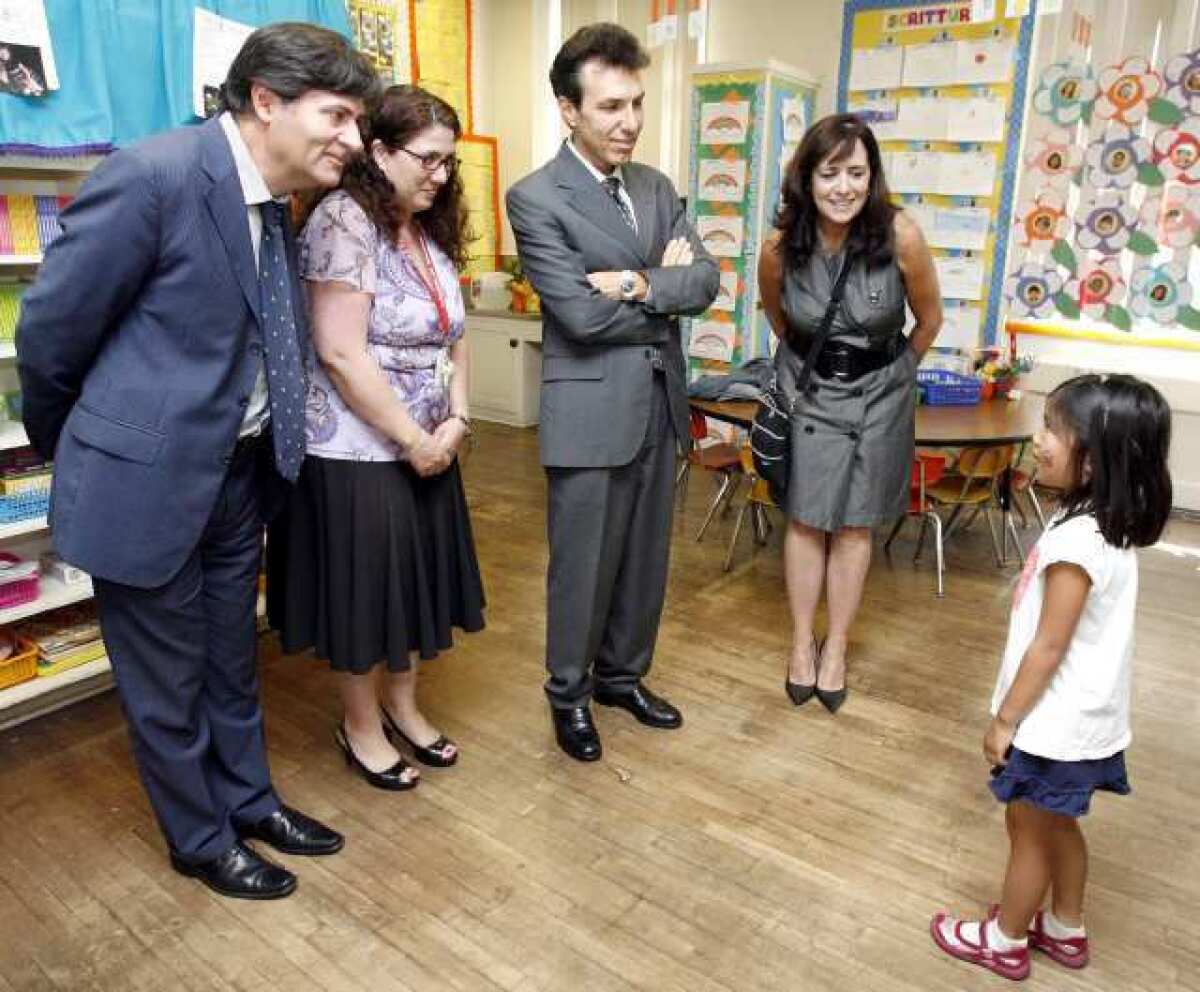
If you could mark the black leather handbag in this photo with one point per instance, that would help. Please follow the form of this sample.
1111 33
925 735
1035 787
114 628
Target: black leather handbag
771 432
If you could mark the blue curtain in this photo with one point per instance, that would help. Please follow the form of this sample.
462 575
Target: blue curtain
125 69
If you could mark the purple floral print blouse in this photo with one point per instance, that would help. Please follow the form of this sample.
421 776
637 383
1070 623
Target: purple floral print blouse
340 243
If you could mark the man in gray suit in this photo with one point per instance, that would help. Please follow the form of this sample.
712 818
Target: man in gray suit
605 243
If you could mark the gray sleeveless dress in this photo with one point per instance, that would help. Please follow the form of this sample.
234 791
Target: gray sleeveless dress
852 443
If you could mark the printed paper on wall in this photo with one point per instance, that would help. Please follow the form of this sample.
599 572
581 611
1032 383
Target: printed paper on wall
712 339
722 180
724 123
722 236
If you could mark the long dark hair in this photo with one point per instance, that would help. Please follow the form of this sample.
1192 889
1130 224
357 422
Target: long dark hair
1120 431
871 230
400 115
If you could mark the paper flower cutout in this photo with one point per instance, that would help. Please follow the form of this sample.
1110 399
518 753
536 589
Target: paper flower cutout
1042 220
1104 221
1173 217
1177 152
1159 291
1114 159
1098 285
1126 91
1182 77
1030 290
1065 91
1055 158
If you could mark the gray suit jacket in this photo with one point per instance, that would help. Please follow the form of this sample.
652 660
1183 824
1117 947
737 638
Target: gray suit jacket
597 375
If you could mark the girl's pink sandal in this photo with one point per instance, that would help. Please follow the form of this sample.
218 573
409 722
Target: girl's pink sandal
1008 964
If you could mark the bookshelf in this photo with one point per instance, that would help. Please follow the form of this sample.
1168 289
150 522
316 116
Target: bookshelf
35 185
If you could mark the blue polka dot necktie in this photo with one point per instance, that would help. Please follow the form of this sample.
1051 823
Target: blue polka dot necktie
286 387
613 185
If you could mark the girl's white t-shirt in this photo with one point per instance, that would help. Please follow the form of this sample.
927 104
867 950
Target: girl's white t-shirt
1084 712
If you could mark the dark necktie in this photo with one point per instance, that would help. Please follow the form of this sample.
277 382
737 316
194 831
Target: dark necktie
613 185
285 369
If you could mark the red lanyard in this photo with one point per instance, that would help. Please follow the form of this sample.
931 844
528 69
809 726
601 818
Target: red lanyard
434 286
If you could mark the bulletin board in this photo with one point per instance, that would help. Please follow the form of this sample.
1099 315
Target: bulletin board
383 30
479 170
945 93
1108 231
745 123
442 45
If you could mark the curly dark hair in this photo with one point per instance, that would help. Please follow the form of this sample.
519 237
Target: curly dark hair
610 43
871 233
400 115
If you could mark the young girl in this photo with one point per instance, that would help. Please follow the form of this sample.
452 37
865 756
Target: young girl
1060 711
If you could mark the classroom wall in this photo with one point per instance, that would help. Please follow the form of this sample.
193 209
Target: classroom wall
511 81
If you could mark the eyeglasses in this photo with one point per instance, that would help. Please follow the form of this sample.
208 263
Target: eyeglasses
432 161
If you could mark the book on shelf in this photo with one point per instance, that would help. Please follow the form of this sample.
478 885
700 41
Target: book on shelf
65 638
6 236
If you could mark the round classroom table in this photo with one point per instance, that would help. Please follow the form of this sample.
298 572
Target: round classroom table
983 425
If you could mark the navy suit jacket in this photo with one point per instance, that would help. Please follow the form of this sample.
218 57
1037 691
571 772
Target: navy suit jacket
138 349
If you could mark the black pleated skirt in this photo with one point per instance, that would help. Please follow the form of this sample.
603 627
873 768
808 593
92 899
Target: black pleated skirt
369 562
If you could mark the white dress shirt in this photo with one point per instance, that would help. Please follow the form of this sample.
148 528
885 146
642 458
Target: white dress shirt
622 192
254 192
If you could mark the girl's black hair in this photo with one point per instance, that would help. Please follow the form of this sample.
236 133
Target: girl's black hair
1120 430
870 234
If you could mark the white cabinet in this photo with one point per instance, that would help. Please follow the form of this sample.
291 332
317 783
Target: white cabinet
506 367
28 538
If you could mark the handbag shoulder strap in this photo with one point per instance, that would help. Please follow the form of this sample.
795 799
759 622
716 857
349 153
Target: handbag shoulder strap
818 341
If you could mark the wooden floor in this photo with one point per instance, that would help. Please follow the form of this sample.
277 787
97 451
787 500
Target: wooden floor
759 848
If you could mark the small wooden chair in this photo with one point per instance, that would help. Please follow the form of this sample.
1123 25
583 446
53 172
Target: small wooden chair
722 458
975 485
757 501
927 470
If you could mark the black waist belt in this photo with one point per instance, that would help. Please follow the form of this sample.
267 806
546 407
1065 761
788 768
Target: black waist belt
846 363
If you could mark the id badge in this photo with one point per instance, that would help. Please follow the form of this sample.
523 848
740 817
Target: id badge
443 371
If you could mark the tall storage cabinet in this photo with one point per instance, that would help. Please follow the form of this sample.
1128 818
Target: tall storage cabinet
22 177
746 121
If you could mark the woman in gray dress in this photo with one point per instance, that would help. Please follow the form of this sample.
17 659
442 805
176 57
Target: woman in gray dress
852 430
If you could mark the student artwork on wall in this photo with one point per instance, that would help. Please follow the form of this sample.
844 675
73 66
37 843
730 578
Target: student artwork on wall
746 122
725 123
946 104
723 180
1110 224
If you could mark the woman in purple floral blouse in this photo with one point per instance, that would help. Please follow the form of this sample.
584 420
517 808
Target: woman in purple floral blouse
373 561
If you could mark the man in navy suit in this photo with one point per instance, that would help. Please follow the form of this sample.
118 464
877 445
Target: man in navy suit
161 354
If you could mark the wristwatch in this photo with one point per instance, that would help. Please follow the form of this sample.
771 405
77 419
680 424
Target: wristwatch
628 284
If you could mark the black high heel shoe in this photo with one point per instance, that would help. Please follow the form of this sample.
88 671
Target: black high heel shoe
798 692
435 755
831 699
391 779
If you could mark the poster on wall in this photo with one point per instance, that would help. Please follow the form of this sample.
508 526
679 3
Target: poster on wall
723 180
712 339
26 56
947 130
722 236
727 292
724 123
216 41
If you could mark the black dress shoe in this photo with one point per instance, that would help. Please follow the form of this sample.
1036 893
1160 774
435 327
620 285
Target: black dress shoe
240 874
576 734
652 710
291 832
392 779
